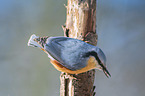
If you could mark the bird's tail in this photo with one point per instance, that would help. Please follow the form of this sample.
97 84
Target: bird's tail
37 41
32 41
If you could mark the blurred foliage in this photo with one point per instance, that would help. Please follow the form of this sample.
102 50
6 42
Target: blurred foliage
26 71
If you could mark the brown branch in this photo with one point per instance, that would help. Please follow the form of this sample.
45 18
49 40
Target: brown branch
80 24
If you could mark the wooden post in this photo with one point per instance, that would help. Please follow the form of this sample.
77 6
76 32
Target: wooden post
80 24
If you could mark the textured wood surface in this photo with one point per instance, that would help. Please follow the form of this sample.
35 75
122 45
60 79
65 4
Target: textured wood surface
80 24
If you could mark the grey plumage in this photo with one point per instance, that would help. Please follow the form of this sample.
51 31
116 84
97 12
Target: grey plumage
69 52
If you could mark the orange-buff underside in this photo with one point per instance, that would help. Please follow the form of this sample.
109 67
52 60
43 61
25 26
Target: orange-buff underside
91 64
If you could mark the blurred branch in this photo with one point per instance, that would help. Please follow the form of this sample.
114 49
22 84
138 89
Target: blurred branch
80 24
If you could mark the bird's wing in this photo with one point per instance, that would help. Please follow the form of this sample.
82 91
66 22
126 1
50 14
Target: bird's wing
67 51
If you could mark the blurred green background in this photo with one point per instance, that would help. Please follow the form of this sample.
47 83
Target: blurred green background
26 71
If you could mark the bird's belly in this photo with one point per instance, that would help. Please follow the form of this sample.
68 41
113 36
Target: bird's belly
91 65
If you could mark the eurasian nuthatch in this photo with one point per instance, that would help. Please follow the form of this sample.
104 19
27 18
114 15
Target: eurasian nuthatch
71 55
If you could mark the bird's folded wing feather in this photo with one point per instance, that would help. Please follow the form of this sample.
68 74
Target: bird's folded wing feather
66 51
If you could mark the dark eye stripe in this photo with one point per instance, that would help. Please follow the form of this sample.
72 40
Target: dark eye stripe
93 53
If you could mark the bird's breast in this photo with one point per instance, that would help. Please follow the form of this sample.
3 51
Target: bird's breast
91 64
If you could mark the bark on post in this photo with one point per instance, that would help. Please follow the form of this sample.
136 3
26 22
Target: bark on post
80 24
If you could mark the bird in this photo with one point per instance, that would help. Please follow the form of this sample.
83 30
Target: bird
71 55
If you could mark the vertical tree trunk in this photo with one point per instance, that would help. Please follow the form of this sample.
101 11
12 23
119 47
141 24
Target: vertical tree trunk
80 24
